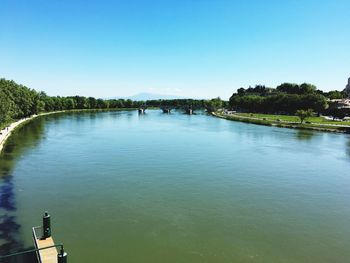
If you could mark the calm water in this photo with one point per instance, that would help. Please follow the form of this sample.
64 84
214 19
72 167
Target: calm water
176 188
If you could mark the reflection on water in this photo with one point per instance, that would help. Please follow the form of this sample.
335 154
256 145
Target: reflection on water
348 148
7 195
22 139
304 135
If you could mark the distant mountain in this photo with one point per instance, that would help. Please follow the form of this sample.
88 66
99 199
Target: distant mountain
151 96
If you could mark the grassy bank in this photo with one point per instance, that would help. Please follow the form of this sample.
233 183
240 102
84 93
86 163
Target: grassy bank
4 125
11 127
284 121
294 119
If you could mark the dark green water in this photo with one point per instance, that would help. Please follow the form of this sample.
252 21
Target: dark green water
176 188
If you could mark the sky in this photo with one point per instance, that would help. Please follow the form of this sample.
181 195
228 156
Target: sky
191 48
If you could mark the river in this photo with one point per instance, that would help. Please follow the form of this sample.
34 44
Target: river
124 187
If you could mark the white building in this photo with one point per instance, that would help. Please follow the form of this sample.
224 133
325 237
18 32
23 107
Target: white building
342 103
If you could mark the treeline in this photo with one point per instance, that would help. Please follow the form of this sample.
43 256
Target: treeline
209 105
18 101
176 103
286 98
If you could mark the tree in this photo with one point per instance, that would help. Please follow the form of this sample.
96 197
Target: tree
304 114
101 104
92 103
287 98
81 102
49 103
335 94
307 88
336 113
241 91
5 108
40 106
70 103
128 103
290 88
213 104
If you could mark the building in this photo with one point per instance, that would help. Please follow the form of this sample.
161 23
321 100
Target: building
341 103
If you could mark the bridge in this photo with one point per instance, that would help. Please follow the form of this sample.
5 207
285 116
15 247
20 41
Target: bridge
188 109
142 109
167 109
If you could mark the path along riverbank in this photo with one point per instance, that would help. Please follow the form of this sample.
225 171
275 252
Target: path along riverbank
284 124
6 132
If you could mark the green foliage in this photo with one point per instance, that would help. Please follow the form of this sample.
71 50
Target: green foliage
292 88
18 101
335 94
213 104
290 118
287 98
196 104
337 112
318 123
304 114
6 107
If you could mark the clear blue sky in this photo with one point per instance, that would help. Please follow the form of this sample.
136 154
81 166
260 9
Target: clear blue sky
196 48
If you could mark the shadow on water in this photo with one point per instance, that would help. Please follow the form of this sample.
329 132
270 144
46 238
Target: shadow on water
22 140
348 148
304 135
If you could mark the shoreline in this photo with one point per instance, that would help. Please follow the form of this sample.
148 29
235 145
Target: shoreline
304 126
7 131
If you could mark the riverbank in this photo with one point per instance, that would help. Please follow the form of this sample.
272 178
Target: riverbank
284 124
7 131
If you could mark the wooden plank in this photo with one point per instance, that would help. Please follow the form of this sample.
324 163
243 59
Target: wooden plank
47 255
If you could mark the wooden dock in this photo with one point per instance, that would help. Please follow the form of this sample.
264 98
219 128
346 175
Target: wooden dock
48 255
45 248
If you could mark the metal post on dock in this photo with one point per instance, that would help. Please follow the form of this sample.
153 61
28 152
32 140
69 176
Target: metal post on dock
62 256
46 225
